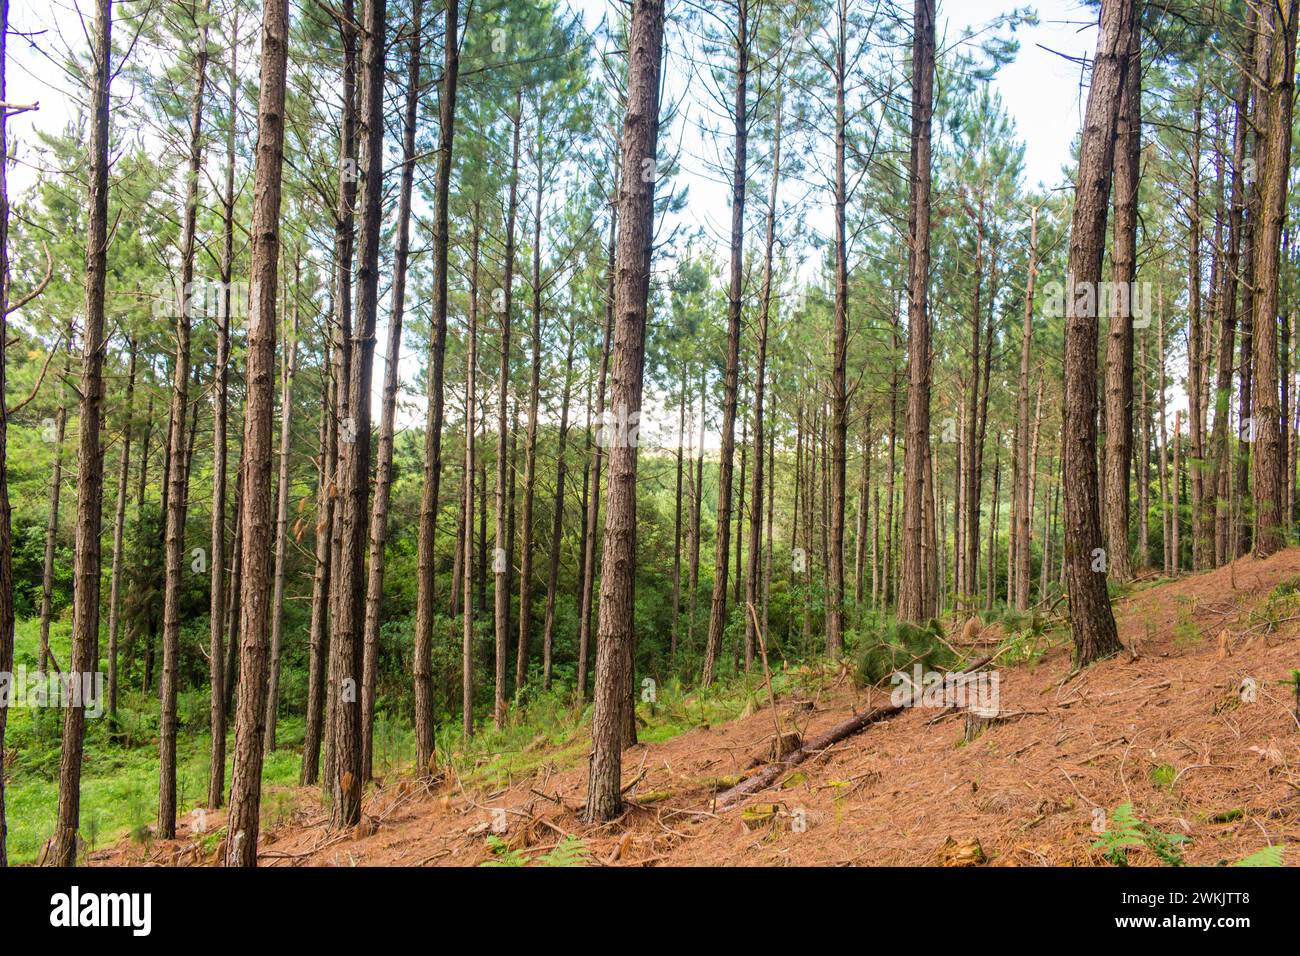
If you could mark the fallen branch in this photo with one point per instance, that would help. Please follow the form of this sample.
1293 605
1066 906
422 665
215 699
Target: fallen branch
774 771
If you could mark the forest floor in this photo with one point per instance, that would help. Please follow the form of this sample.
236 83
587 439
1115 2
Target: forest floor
1165 727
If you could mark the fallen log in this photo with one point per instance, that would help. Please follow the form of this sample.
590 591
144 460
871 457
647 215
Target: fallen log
774 771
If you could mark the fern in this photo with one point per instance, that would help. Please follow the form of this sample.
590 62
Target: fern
1269 856
504 855
1124 833
1127 832
569 852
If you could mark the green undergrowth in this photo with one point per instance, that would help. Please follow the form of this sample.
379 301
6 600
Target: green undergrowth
119 792
119 783
550 731
898 646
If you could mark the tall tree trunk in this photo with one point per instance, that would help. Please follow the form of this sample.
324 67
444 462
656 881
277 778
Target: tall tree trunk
557 517
1176 548
425 747
231 624
178 489
1164 438
246 781
1276 60
318 635
52 531
354 442
839 410
597 455
735 303
119 527
633 259
970 471
217 676
863 515
983 411
889 567
481 601
288 368
678 464
471 398
697 504
1195 343
916 442
530 442
344 247
771 516
1023 510
752 593
90 458
1219 444
1143 463
1119 339
504 535
990 586
1091 620
739 509
388 413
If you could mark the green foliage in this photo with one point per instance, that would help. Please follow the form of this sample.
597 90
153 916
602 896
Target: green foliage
1126 832
1163 776
1269 856
504 856
570 851
1026 637
898 647
1282 602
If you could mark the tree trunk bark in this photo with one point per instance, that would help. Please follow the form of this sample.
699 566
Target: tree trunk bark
530 442
246 781
90 459
839 402
1119 339
1219 444
425 745
471 399
1276 59
752 594
217 676
557 517
633 261
344 247
289 367
726 454
597 454
318 635
52 527
119 527
388 412
1195 343
1023 508
1091 620
916 443
504 538
354 439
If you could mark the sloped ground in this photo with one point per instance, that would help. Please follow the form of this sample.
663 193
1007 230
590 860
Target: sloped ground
1169 731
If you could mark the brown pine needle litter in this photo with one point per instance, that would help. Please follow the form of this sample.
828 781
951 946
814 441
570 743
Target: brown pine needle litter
1197 733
